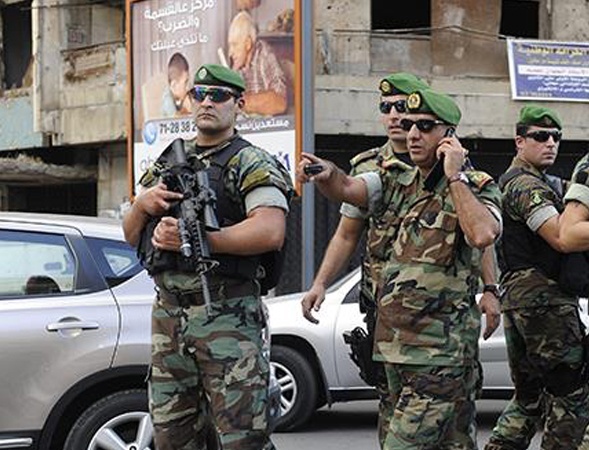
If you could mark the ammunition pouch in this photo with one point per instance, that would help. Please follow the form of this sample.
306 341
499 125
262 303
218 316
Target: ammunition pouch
361 345
156 261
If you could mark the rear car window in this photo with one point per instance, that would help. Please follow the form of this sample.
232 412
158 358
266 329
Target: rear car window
116 260
34 263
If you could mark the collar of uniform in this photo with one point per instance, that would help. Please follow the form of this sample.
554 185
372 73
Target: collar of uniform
389 160
408 176
521 164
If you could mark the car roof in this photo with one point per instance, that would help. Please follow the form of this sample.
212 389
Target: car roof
100 227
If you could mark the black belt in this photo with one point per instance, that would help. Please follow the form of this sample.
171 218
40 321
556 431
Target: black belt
219 293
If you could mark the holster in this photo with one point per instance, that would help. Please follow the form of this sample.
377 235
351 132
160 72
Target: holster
361 345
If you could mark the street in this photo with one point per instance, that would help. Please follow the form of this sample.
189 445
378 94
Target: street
353 426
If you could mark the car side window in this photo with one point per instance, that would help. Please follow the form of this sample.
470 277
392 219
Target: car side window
117 261
353 295
35 264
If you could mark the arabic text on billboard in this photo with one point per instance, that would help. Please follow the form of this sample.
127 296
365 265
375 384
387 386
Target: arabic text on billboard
541 70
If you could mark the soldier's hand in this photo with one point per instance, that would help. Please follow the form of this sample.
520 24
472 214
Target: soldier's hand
489 305
322 169
312 301
166 235
157 200
454 155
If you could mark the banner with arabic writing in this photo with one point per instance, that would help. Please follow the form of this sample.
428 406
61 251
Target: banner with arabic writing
169 39
546 70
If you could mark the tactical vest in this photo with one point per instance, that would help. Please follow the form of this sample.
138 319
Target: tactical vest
520 248
228 213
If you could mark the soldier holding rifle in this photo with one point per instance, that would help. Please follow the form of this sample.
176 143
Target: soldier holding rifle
213 363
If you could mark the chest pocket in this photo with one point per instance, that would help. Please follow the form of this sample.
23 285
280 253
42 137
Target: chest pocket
428 234
382 232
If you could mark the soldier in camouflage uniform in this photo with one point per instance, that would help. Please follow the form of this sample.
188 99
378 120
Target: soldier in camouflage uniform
214 365
394 90
428 322
542 325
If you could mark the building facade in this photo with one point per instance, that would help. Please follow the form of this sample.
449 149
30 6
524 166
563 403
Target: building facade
64 88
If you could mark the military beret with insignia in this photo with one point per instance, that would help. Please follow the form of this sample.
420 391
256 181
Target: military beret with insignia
429 101
539 116
400 83
217 75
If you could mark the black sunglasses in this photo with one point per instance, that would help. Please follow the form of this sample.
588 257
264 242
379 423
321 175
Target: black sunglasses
217 95
423 125
543 136
385 107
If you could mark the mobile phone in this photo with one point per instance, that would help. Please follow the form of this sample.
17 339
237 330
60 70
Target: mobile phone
313 169
437 172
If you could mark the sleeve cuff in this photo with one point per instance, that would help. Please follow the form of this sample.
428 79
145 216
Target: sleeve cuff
373 188
352 212
579 193
540 216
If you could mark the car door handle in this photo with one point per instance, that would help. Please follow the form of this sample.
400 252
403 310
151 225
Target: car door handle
77 325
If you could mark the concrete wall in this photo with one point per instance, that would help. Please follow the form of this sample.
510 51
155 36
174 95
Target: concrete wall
463 56
80 73
569 20
112 175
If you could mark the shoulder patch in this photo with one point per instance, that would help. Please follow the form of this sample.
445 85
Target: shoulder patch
479 179
364 156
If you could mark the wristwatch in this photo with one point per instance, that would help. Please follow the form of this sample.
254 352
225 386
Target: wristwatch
493 288
458 176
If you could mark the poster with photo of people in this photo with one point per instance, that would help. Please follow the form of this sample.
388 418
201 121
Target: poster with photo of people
169 39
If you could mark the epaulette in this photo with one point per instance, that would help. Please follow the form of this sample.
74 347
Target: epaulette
392 162
478 178
364 156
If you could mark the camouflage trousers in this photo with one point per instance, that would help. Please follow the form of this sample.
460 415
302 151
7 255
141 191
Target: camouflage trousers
434 408
210 369
386 399
546 357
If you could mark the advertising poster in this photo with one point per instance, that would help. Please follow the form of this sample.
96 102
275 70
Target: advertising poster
545 70
169 39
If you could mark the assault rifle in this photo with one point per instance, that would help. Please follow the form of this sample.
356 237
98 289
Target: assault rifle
195 212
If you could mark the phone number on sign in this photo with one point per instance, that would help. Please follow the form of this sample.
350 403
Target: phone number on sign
177 127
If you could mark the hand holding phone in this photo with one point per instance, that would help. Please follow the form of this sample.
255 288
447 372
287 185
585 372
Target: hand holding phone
437 172
313 169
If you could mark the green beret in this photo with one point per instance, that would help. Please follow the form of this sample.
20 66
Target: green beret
216 75
401 83
539 116
432 102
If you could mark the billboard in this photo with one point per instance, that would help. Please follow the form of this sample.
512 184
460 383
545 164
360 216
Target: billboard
547 70
167 40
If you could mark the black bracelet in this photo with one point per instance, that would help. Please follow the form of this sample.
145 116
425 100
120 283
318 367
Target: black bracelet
492 288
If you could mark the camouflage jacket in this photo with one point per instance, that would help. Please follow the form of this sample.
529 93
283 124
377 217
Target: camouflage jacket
524 196
250 168
372 263
427 313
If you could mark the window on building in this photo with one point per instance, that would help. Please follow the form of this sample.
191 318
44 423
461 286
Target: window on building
17 43
520 18
414 14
